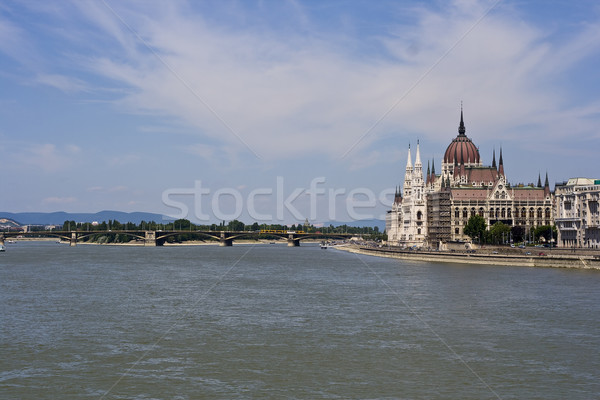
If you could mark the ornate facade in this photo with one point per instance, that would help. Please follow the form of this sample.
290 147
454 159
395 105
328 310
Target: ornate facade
577 213
435 208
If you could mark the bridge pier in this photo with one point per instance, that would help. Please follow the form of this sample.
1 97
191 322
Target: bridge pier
224 241
73 240
150 238
293 241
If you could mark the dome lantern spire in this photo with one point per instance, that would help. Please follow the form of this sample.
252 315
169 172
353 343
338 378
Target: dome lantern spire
461 127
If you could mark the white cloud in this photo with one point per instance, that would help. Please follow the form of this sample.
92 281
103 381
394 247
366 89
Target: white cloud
288 96
65 83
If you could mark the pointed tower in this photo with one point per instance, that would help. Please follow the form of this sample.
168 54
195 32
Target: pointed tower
408 175
547 186
428 176
418 185
398 196
461 127
494 159
418 169
539 184
501 164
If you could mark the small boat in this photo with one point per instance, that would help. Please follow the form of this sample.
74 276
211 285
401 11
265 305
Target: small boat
2 248
324 246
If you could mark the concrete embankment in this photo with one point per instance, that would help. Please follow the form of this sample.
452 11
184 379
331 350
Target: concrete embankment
548 261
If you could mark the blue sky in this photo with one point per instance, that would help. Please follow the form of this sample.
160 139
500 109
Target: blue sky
110 105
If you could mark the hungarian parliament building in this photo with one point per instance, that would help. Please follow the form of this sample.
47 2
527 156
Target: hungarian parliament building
433 208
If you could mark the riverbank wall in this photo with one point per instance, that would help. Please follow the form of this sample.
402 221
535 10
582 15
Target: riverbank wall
545 261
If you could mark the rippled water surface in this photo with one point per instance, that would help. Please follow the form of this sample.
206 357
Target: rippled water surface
270 322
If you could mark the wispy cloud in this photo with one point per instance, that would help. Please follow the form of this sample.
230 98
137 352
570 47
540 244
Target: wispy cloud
65 83
296 95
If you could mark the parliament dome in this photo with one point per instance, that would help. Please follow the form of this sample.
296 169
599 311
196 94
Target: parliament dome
462 149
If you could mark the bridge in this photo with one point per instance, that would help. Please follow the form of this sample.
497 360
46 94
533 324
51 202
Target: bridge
158 238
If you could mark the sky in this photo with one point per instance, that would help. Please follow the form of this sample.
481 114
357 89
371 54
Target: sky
284 110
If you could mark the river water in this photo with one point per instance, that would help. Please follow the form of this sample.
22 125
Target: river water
271 322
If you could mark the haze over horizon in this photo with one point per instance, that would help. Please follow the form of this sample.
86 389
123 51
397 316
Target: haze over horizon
111 105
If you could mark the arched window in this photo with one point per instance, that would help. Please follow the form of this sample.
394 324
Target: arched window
547 213
464 214
491 212
481 211
497 212
509 213
531 212
504 213
419 231
523 212
472 211
419 215
539 213
456 213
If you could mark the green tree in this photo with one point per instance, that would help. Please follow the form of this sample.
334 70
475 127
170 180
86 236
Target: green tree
182 225
235 225
546 231
475 227
499 233
518 233
69 225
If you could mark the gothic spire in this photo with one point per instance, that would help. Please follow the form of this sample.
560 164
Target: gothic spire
433 167
461 127
494 159
501 164
546 184
408 161
418 156
539 180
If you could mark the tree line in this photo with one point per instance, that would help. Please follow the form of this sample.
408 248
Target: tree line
500 233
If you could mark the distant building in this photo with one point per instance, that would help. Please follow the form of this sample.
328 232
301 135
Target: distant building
577 213
435 209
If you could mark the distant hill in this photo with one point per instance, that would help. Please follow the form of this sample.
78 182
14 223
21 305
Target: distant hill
58 218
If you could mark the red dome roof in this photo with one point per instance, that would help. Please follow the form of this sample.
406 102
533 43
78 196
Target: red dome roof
462 148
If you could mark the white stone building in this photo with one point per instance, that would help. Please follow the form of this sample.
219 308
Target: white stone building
577 213
407 219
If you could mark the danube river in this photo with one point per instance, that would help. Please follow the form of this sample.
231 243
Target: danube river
271 322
